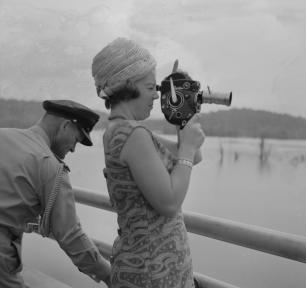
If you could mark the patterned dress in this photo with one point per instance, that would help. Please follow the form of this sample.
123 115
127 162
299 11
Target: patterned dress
151 250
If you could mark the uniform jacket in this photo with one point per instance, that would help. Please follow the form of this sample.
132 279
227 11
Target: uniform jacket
29 176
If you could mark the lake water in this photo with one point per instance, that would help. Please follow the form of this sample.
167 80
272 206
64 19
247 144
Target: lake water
236 181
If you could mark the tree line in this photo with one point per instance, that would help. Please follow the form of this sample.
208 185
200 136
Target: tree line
226 123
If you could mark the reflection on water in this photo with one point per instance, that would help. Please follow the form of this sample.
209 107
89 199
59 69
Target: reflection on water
255 181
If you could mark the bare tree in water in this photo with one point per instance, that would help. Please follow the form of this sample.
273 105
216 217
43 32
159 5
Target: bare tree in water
264 153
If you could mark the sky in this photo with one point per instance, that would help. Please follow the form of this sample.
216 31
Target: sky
256 49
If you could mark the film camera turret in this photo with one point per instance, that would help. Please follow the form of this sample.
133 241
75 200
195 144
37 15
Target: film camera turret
181 97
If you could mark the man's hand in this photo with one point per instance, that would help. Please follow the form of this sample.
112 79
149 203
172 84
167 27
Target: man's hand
107 281
98 279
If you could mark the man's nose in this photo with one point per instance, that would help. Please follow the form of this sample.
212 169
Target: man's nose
156 95
73 148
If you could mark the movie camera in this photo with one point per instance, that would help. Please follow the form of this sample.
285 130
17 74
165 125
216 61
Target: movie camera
181 97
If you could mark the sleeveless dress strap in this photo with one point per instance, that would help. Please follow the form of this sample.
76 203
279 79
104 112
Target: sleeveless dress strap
118 135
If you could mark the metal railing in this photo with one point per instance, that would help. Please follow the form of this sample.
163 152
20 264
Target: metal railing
36 279
270 241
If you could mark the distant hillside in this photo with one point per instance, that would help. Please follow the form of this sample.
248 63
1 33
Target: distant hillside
226 123
254 123
245 123
23 114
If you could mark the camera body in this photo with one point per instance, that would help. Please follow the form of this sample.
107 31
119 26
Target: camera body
188 98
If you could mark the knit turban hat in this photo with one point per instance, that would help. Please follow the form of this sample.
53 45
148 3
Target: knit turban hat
119 61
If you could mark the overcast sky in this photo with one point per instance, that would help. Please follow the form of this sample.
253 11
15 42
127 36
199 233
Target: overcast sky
257 49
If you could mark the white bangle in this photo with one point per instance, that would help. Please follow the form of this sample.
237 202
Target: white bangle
185 162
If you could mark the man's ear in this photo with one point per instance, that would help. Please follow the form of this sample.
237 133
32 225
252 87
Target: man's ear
65 123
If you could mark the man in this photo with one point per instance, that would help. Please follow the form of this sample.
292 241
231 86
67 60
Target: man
34 182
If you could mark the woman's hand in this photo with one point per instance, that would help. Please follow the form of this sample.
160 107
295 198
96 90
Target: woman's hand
191 137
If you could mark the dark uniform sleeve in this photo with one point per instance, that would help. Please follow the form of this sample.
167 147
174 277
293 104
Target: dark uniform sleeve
66 229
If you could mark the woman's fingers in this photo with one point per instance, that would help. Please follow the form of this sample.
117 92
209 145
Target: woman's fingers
194 119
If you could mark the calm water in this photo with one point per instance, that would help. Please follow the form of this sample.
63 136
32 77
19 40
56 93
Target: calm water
234 181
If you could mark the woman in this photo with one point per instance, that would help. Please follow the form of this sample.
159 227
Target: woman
147 177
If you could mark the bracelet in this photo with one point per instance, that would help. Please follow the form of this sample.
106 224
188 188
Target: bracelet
185 162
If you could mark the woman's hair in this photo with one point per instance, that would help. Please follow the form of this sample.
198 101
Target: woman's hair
116 66
124 94
179 75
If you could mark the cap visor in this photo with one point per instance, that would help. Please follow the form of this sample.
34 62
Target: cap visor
86 140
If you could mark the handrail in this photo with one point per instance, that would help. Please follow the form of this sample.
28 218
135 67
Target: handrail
270 241
37 279
93 199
